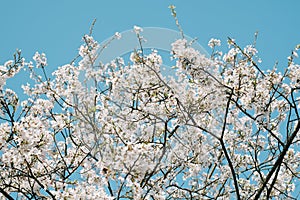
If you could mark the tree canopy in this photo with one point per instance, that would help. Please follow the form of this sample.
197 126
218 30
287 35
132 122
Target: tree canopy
220 128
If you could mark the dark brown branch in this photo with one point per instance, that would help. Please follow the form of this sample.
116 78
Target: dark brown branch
2 191
278 161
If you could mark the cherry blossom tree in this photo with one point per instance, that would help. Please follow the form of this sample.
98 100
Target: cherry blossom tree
221 128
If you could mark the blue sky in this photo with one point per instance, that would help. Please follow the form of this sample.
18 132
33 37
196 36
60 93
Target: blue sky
57 26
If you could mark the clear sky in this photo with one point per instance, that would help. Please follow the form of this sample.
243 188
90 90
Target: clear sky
57 26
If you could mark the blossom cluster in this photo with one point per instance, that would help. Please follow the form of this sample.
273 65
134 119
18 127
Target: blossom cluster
221 128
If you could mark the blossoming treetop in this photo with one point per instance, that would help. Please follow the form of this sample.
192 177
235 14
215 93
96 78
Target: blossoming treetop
221 128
